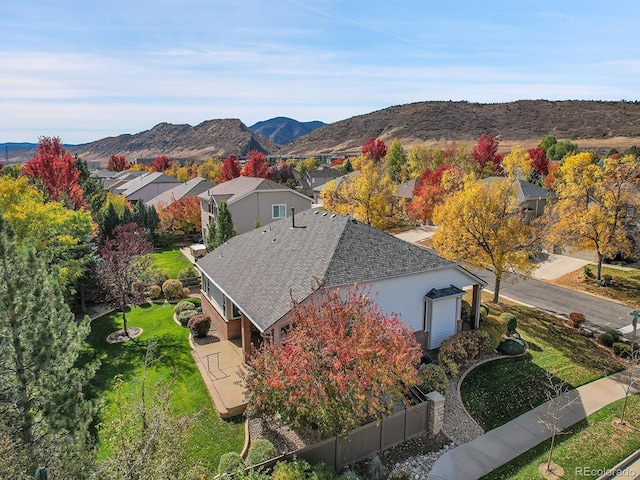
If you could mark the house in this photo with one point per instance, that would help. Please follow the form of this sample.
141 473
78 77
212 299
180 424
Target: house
532 199
405 190
147 186
249 282
250 200
310 180
119 178
191 188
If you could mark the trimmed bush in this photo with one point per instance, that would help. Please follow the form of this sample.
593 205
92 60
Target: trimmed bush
586 271
511 346
183 305
484 308
465 311
230 462
260 451
159 277
186 292
622 349
172 289
495 327
434 378
199 325
577 319
155 292
606 339
188 272
457 351
185 316
195 300
511 321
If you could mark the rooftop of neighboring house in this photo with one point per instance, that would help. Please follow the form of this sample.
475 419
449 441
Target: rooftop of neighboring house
406 189
142 181
120 178
527 191
263 269
191 188
236 188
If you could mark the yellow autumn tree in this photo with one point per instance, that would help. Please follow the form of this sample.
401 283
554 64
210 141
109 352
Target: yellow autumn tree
482 226
210 169
367 194
517 164
597 205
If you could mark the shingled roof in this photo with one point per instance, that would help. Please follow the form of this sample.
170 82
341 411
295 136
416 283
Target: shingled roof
262 270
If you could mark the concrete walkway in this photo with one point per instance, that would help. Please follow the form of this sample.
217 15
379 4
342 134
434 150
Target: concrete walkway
501 445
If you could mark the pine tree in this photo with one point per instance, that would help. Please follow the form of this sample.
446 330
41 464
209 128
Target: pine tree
109 223
224 225
127 216
210 241
140 214
42 406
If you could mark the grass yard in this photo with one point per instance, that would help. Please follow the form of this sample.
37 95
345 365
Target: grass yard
171 260
213 436
625 284
499 391
593 443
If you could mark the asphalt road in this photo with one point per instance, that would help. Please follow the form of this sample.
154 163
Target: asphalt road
558 300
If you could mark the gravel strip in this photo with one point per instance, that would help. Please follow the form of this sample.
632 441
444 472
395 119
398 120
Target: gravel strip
417 468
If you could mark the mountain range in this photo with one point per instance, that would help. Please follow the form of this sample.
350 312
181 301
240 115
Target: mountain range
596 125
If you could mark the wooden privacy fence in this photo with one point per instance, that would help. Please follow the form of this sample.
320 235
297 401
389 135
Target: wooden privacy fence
374 437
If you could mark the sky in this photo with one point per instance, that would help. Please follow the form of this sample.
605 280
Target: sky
85 70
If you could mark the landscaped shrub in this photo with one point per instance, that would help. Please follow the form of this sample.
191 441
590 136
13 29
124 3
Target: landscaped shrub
260 451
484 308
229 462
377 470
188 272
138 288
511 346
159 277
195 300
586 271
172 289
458 350
606 339
155 292
299 469
434 378
465 311
605 281
623 349
185 316
183 305
199 325
577 319
495 327
186 292
511 321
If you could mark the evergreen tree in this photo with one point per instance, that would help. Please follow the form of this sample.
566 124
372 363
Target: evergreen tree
42 406
224 226
93 191
210 240
127 216
153 220
109 222
140 214
348 168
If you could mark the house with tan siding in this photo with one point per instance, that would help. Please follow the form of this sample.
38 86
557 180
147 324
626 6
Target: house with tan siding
250 200
248 283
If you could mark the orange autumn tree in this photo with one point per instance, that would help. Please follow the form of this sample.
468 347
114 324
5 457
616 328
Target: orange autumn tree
343 362
180 217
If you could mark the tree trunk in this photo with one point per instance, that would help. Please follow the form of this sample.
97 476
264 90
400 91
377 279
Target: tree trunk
496 290
553 441
124 320
600 259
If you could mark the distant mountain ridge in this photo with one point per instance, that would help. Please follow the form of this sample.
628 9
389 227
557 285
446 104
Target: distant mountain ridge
282 130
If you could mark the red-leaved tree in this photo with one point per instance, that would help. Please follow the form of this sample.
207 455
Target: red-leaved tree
230 169
160 164
256 166
118 163
180 217
343 362
485 153
374 149
539 161
55 168
336 162
125 267
427 193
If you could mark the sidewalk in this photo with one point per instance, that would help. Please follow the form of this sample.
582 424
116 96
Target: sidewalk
501 445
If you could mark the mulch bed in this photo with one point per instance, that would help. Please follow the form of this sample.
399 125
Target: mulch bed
119 336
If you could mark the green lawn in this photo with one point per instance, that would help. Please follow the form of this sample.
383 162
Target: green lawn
502 390
593 443
214 436
171 261
625 284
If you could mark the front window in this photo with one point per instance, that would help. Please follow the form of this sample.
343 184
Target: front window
279 211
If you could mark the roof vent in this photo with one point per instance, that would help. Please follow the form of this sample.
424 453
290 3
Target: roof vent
333 216
353 220
324 214
316 212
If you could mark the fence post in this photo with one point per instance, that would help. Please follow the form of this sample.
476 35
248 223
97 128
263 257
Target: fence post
435 413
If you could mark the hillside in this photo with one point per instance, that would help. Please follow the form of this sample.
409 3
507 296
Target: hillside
282 130
208 139
525 122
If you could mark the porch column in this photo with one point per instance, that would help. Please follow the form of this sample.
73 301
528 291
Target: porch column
475 306
245 334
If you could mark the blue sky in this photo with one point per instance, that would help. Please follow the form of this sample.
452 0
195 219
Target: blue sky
84 70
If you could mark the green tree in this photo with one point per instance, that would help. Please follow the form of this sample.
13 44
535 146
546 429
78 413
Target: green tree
109 221
41 403
224 226
397 163
210 240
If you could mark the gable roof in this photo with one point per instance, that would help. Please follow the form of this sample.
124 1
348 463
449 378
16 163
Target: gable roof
237 188
406 189
526 191
191 188
142 181
262 270
120 178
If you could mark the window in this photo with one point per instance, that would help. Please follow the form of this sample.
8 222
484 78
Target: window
279 211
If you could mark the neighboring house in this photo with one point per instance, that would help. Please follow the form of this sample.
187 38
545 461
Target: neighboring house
248 283
120 178
312 179
405 191
532 199
191 188
249 200
147 186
